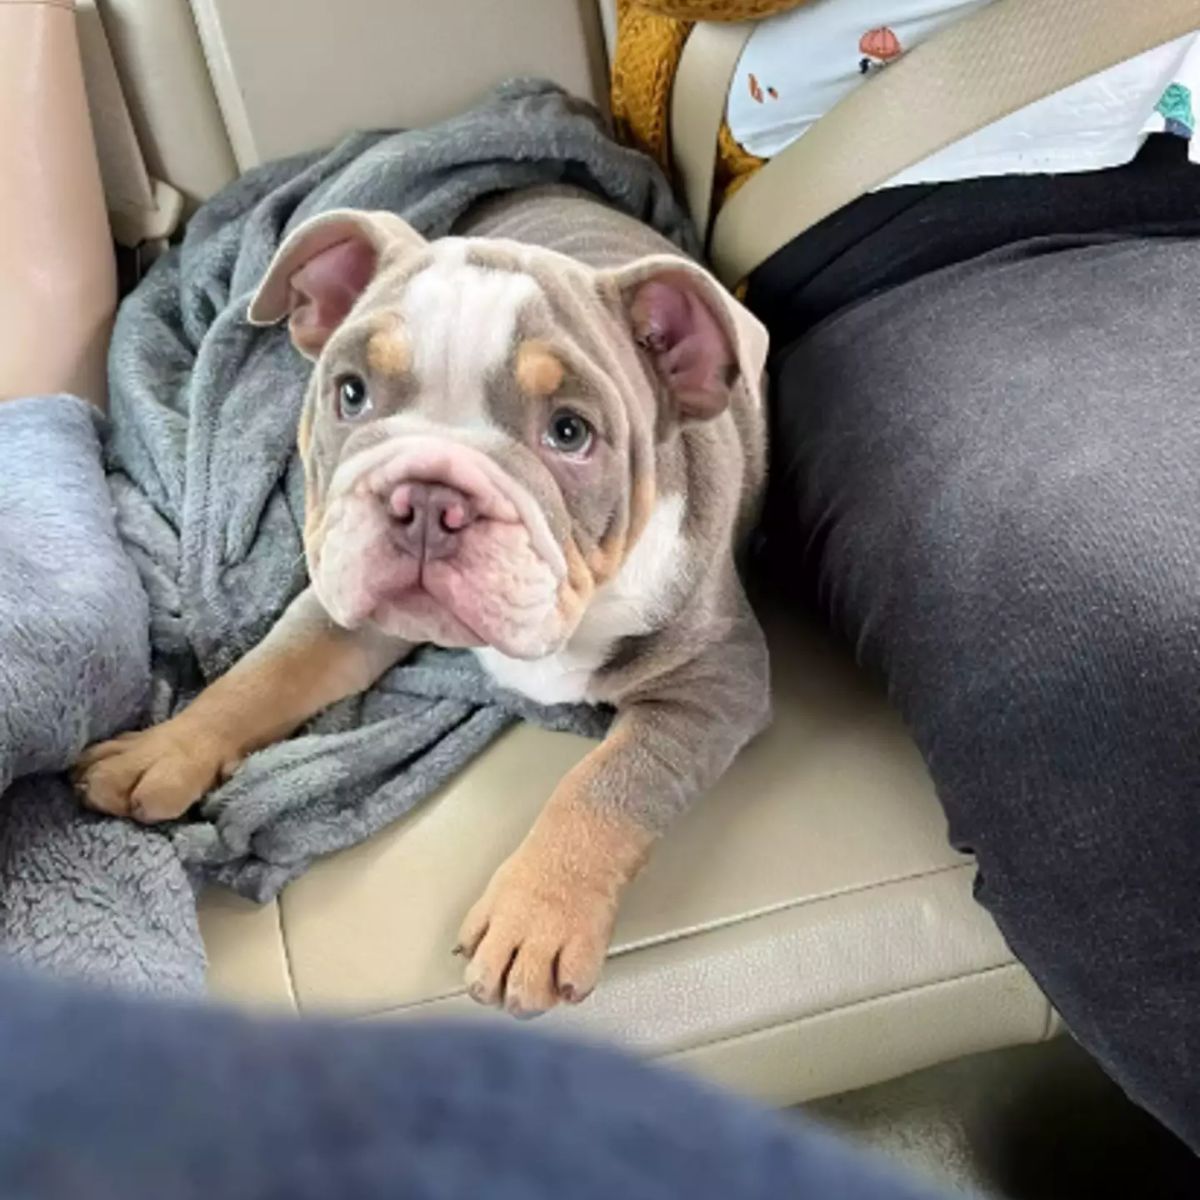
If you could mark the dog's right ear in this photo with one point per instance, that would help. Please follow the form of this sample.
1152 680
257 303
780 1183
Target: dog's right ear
323 267
697 338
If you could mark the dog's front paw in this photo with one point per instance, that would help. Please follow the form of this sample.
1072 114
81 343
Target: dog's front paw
536 938
154 775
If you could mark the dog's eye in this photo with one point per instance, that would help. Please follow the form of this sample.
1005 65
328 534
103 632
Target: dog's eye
352 398
568 433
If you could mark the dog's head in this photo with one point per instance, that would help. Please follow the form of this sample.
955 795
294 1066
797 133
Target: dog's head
481 429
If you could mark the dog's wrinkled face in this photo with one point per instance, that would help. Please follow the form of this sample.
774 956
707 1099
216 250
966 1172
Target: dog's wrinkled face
481 430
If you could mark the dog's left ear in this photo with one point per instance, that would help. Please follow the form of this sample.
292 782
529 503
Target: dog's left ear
700 340
323 267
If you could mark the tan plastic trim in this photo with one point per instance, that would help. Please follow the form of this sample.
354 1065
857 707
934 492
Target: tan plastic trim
300 84
169 95
140 208
225 84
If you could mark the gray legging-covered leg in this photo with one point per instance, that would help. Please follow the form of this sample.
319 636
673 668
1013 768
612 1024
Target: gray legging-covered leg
111 1097
1000 465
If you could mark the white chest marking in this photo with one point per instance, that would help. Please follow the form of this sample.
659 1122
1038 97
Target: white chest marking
635 601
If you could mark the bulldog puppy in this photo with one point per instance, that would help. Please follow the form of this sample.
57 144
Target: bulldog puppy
542 440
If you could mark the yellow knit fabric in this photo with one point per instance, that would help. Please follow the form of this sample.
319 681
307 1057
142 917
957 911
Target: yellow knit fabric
650 38
647 53
734 164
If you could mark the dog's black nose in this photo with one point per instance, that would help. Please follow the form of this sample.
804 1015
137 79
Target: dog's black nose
428 518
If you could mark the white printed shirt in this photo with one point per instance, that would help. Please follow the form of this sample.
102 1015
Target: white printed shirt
797 65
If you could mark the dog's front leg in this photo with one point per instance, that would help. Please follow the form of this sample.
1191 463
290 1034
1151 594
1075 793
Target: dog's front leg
542 929
303 665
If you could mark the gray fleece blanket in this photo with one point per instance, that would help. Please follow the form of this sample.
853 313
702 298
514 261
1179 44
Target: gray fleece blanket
208 499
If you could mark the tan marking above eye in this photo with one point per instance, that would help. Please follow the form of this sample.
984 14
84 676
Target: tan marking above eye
538 371
388 350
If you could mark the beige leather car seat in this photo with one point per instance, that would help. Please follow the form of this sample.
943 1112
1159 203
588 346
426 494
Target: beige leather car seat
807 929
